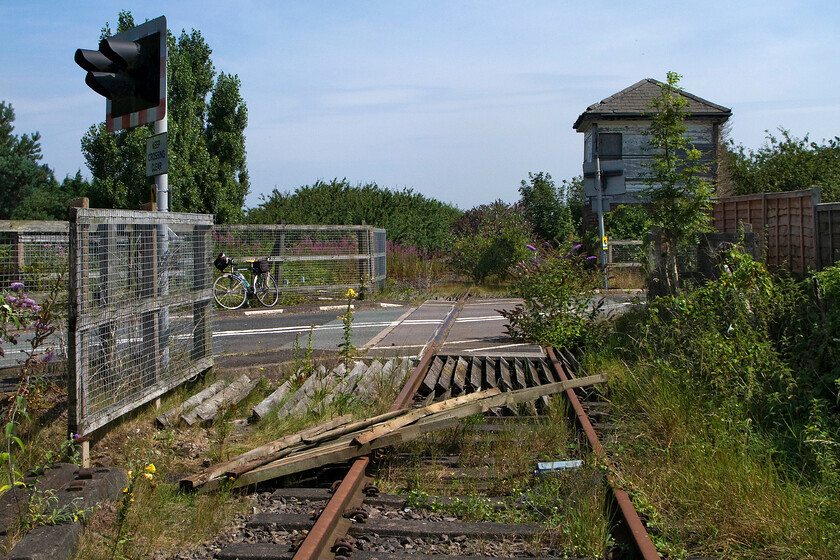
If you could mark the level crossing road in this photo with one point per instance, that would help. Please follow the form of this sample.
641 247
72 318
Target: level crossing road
378 331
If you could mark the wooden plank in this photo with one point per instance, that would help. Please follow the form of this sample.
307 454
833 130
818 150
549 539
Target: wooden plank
352 427
519 369
272 401
414 415
490 373
445 379
431 379
505 383
475 374
459 377
446 416
165 419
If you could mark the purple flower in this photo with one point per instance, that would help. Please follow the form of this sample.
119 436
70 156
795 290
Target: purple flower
11 300
50 356
531 247
576 247
591 258
16 285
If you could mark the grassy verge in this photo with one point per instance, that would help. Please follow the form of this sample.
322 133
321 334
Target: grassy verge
727 416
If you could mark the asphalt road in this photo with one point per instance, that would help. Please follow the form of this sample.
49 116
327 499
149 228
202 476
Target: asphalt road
378 331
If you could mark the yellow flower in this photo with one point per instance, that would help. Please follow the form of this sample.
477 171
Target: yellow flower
150 468
130 474
148 475
125 490
351 293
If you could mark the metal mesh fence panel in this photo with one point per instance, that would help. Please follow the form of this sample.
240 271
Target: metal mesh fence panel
35 254
626 254
309 258
140 309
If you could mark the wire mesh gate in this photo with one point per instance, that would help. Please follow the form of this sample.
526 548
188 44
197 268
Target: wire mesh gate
307 258
140 309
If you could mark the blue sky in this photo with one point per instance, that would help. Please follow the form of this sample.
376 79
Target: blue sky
457 100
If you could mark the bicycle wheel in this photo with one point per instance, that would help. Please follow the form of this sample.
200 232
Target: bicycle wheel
266 289
229 291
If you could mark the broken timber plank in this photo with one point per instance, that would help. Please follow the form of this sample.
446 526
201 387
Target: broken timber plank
233 393
165 419
444 418
414 415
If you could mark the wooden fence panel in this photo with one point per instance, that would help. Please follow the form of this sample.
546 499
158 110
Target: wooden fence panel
785 222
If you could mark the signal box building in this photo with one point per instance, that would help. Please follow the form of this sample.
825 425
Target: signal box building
620 124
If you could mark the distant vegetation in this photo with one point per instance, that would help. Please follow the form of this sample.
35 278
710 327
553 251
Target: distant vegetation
409 217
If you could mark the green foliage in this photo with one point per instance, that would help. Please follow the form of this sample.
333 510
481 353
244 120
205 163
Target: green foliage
408 217
785 163
730 399
679 196
546 207
346 347
206 125
488 240
30 190
628 221
557 291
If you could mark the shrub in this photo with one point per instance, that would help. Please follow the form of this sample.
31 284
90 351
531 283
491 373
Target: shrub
489 239
558 290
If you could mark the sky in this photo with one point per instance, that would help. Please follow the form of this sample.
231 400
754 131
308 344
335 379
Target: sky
456 100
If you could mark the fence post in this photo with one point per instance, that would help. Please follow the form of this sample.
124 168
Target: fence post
202 327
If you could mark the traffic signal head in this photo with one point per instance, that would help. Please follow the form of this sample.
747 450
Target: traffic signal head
129 69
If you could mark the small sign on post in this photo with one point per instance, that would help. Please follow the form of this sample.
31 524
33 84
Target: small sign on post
157 155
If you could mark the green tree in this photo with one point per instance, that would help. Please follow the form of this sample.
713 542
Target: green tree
678 193
546 208
28 188
785 163
206 124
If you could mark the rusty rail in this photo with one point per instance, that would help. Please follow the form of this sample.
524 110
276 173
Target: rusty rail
641 540
327 527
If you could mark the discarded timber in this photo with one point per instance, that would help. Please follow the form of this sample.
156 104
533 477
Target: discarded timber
398 431
165 420
271 401
232 394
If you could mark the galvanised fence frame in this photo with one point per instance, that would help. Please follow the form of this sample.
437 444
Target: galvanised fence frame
140 309
308 258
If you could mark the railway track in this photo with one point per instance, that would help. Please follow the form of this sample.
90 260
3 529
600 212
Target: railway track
354 519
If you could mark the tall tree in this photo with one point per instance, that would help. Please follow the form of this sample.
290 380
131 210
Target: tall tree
679 194
207 120
546 207
28 189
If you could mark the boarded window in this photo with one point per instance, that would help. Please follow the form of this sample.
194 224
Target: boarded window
609 145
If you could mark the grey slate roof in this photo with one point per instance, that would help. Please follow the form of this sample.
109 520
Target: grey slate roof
634 101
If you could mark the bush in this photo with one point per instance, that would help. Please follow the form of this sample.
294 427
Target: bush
558 290
489 239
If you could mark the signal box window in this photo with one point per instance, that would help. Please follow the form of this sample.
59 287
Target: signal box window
609 145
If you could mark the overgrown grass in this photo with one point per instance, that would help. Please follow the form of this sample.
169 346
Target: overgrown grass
717 417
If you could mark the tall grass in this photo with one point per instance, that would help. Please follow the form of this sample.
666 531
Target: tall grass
420 268
717 416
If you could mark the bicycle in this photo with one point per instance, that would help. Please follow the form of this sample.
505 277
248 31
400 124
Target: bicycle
231 290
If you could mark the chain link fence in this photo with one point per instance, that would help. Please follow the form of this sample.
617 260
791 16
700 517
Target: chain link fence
310 258
140 309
